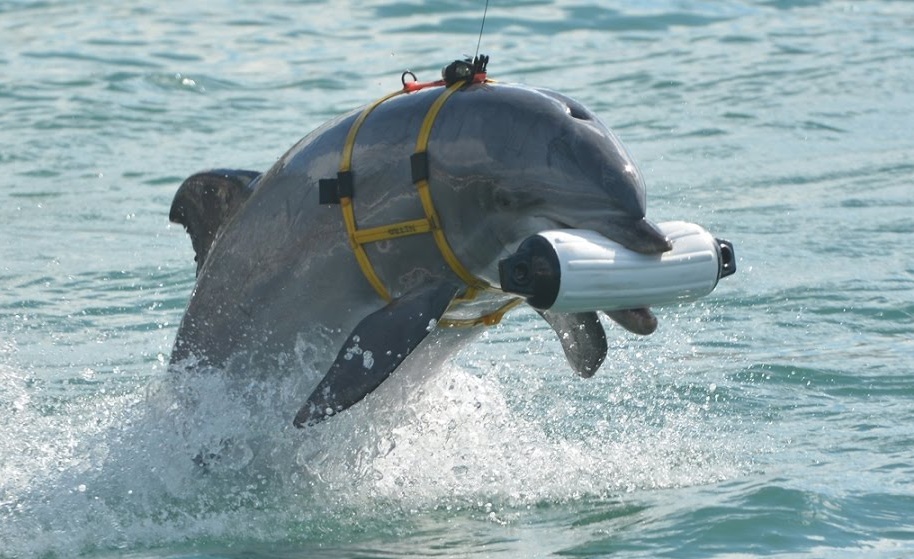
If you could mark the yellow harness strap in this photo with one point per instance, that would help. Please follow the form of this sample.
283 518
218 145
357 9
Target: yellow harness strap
429 224
346 203
419 162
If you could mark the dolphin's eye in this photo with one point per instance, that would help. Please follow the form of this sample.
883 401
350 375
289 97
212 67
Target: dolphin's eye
514 200
503 200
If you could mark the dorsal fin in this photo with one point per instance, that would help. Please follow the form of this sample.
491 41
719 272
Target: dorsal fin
206 200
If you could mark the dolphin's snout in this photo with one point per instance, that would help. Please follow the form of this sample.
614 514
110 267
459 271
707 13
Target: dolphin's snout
651 240
639 235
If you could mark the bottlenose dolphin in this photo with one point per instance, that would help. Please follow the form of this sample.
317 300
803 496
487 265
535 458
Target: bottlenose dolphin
501 162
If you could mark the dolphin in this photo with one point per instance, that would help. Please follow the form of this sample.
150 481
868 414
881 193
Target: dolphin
276 263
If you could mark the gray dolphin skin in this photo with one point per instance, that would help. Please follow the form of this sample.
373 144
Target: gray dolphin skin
276 270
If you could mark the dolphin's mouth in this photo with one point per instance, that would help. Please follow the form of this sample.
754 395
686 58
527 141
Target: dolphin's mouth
640 235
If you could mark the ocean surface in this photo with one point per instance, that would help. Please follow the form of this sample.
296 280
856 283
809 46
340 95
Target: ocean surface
773 418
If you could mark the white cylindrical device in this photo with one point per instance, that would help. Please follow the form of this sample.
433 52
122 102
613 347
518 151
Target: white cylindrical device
575 270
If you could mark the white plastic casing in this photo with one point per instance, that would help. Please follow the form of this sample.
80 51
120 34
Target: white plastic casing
600 274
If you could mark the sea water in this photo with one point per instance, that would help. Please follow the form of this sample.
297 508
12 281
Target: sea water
772 418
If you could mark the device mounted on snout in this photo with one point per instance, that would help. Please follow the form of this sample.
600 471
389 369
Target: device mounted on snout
575 270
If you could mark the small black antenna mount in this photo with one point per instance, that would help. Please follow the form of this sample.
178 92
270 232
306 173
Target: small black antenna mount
464 70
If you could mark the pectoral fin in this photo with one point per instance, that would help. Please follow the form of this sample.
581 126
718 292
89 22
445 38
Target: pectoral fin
582 337
377 346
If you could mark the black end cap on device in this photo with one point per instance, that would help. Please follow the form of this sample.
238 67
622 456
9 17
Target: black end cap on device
727 258
532 272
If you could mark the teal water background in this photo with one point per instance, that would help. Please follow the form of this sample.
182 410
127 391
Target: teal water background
773 418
